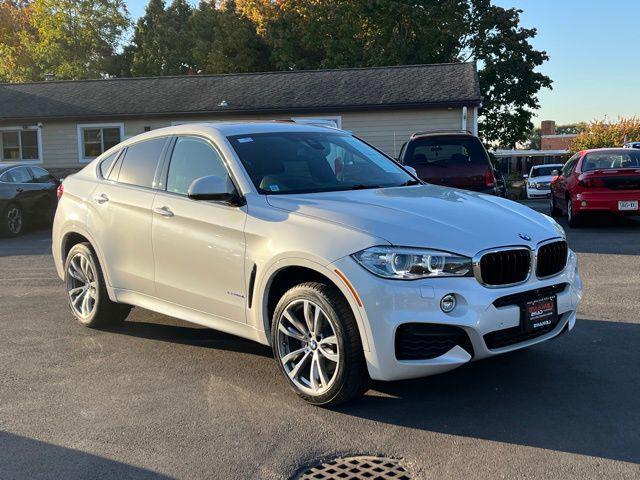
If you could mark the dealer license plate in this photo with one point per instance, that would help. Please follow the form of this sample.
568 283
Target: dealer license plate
539 313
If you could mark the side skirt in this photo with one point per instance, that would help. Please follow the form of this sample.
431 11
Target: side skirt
190 315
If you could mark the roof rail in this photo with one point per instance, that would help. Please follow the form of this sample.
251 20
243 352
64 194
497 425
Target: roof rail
430 132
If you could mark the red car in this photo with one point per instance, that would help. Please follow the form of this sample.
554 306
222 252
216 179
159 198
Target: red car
600 180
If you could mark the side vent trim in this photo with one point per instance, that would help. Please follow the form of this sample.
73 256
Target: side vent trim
252 281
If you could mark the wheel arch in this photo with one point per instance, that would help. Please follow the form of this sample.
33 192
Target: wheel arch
286 274
75 235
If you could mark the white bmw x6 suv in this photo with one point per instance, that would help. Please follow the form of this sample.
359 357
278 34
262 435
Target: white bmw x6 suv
307 239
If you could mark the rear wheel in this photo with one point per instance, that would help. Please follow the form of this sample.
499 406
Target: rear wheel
12 221
87 292
573 220
317 345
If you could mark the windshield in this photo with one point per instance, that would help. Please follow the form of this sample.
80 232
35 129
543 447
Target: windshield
446 150
607 160
306 162
545 171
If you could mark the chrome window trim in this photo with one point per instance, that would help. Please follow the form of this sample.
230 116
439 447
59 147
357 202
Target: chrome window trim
478 256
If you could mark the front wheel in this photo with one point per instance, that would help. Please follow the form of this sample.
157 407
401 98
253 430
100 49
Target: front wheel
317 345
87 292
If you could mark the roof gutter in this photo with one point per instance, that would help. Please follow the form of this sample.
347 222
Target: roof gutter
230 111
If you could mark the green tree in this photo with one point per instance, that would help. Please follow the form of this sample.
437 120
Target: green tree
509 81
342 33
71 39
162 41
226 42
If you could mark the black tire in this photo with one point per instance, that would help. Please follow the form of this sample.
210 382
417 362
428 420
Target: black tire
351 377
104 313
8 225
574 221
554 210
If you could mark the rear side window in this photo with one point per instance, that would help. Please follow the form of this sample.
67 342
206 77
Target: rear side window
140 163
19 175
446 150
105 164
192 158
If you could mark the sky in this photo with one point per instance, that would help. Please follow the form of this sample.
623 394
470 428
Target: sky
595 59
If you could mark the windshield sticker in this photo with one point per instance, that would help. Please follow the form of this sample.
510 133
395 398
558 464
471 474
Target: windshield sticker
245 140
274 188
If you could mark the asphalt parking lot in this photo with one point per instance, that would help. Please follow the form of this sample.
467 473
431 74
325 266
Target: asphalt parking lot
159 398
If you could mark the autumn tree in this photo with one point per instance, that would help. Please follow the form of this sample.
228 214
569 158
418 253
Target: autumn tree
71 39
607 134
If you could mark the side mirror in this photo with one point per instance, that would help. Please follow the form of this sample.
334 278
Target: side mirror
411 170
215 188
525 176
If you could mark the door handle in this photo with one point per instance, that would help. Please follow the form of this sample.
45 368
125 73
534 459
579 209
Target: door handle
164 211
19 190
102 198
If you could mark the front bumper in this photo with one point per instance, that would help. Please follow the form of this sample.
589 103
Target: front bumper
538 193
387 304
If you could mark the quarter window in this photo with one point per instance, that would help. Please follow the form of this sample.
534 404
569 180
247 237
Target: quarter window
20 145
140 163
105 164
192 158
95 140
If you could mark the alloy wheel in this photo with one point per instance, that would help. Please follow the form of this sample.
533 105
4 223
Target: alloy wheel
82 286
307 346
14 220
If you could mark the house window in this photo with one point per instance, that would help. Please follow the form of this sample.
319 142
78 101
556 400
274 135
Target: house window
19 145
93 140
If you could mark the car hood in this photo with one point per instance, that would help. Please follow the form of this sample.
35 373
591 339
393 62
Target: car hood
427 216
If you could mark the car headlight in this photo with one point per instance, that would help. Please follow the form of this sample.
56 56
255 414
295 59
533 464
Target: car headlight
532 185
402 263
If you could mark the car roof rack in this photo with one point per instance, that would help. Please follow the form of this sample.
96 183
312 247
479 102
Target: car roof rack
433 132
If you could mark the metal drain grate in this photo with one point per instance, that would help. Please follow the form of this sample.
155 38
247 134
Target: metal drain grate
361 468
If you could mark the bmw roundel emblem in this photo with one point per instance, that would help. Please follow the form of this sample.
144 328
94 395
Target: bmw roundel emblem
524 236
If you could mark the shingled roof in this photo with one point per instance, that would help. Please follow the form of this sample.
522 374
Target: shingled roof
415 86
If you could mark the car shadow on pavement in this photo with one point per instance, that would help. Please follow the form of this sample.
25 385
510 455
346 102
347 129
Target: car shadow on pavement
187 335
578 393
36 241
22 457
606 234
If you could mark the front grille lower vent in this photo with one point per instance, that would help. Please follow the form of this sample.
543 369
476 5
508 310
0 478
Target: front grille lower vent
424 341
552 258
505 267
